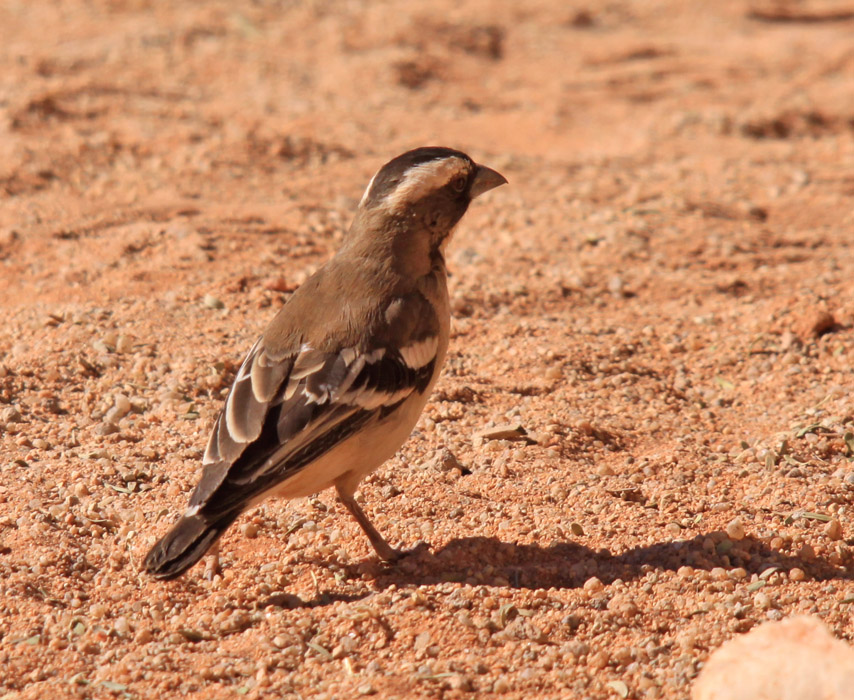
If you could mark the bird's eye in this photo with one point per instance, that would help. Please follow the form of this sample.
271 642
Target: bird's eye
458 184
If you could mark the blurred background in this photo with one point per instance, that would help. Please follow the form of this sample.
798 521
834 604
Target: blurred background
676 113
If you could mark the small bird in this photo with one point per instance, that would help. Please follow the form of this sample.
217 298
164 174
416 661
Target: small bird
337 381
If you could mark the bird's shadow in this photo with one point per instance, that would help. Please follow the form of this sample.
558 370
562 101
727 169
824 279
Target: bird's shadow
563 565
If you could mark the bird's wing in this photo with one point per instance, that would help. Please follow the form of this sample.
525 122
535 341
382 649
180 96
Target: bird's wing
287 407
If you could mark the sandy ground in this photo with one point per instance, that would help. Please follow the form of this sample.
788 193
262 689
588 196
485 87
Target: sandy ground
662 299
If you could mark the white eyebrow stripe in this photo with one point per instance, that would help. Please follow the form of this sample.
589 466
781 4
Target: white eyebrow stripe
422 179
368 190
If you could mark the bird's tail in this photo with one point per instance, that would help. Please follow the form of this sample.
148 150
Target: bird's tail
185 544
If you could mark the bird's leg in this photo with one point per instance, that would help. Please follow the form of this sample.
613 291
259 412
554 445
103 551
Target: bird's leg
383 549
212 562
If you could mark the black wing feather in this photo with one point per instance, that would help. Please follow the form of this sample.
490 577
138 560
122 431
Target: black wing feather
330 422
287 407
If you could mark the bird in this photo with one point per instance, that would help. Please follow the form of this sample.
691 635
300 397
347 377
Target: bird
338 379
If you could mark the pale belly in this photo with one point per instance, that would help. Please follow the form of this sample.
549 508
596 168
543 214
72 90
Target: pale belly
352 460
356 457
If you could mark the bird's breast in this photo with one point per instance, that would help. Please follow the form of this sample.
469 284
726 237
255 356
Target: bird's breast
434 287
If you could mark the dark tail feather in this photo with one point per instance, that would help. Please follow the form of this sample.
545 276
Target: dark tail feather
184 545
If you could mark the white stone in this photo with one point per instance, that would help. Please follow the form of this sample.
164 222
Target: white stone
795 659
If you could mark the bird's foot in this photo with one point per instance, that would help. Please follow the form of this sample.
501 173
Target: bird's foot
393 556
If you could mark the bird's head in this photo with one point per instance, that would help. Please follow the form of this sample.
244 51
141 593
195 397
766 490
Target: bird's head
415 200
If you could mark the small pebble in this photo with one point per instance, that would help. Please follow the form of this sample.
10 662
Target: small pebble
833 530
593 585
445 460
249 530
816 324
422 642
122 405
278 284
735 529
124 344
673 529
762 601
768 573
579 649
212 302
144 636
10 415
459 682
554 373
500 685
599 660
806 551
616 286
122 626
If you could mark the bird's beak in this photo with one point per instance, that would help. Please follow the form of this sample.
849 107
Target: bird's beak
485 179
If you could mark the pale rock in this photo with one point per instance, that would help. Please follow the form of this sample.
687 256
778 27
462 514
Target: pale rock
795 659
